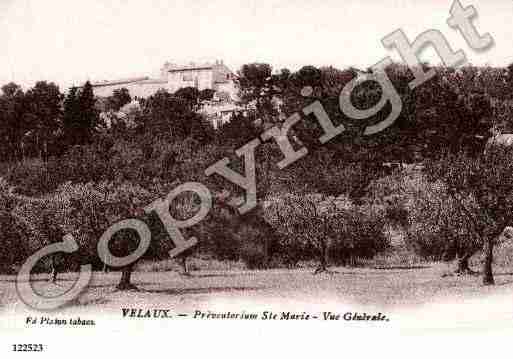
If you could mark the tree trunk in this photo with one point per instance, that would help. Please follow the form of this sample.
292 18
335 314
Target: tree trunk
45 152
125 281
463 264
22 152
266 251
487 263
40 153
54 273
323 265
184 265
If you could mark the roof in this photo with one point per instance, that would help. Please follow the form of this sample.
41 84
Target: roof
218 66
120 81
153 81
189 67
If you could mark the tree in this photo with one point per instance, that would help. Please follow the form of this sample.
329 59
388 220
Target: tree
229 235
191 97
485 180
171 117
40 216
44 112
88 116
11 89
184 207
257 91
329 229
87 210
120 97
238 131
436 227
80 115
15 243
308 76
448 119
206 94
13 125
201 130
254 81
71 113
307 222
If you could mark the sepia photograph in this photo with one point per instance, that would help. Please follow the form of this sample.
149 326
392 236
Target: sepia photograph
193 169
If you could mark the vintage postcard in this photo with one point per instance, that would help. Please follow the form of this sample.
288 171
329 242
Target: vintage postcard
275 177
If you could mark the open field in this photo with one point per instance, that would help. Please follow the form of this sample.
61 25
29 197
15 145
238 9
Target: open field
386 289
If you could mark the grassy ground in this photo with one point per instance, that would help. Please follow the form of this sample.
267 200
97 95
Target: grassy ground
393 283
383 288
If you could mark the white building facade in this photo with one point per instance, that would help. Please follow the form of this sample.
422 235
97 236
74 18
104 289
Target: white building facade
213 76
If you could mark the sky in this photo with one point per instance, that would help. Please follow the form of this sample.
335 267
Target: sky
69 41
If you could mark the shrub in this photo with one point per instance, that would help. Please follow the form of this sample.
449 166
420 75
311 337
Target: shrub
86 211
317 226
253 246
437 227
91 208
81 164
15 232
253 255
31 178
15 246
361 235
220 241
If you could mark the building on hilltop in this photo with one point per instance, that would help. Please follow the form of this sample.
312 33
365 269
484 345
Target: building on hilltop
138 87
214 76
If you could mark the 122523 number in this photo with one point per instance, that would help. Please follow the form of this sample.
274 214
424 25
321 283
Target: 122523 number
27 347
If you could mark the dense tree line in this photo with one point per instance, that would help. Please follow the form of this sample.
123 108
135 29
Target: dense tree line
104 159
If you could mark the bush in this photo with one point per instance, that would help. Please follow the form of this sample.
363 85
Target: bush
89 209
253 245
31 178
81 164
15 246
220 242
15 232
253 255
311 223
438 229
86 211
362 236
